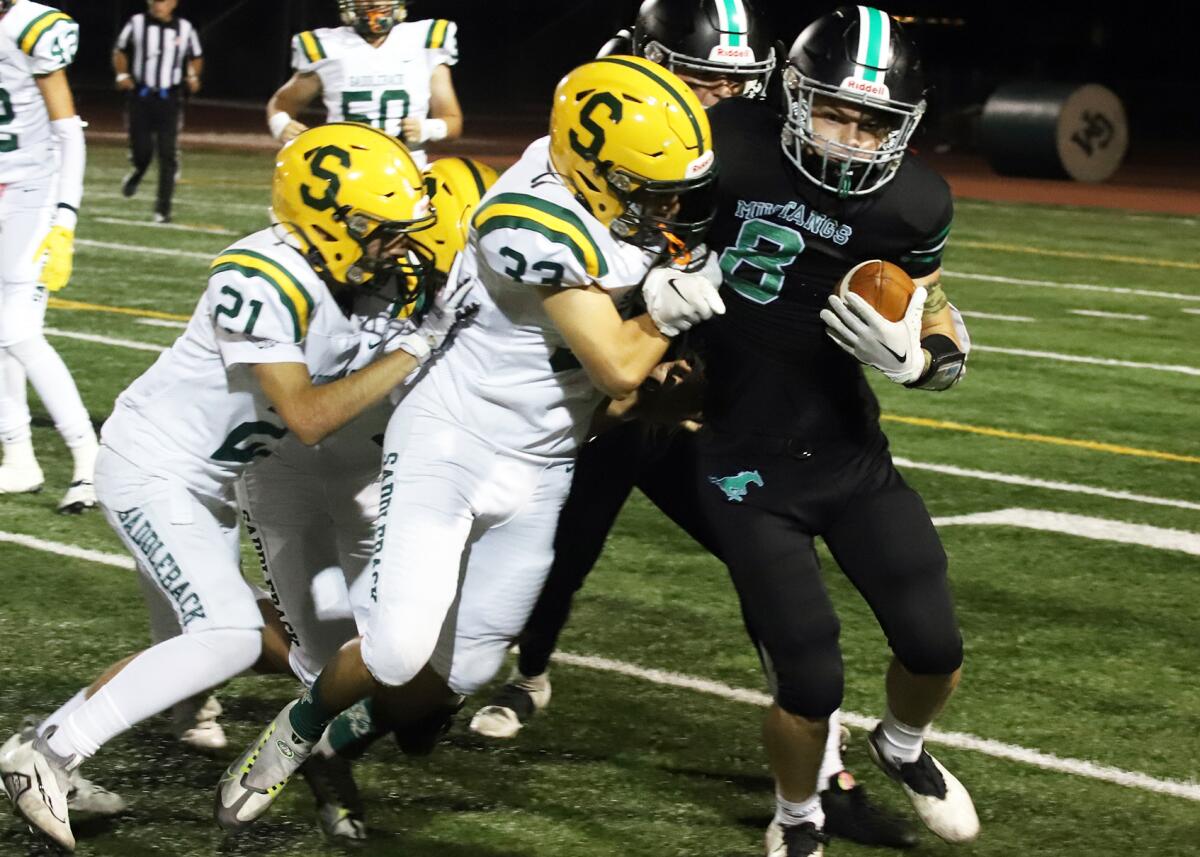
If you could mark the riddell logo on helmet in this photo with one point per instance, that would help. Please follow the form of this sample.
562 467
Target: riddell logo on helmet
726 52
866 87
700 166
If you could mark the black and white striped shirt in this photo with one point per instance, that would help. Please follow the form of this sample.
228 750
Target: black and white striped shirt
158 51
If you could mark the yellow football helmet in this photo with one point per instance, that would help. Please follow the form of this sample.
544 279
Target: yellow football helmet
456 185
633 142
350 193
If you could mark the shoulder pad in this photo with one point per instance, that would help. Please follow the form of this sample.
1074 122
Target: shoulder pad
51 39
256 295
307 50
538 232
442 38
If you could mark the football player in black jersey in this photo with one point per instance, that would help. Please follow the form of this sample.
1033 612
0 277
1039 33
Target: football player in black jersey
721 49
792 447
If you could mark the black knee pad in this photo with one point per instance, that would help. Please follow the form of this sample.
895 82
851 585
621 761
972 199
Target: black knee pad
921 625
933 651
808 677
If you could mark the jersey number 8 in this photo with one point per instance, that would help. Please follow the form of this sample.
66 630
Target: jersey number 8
767 248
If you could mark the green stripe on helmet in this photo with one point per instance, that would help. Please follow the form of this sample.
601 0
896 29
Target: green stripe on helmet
669 87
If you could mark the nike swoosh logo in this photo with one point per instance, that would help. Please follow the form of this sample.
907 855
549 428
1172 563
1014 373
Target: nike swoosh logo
899 357
671 283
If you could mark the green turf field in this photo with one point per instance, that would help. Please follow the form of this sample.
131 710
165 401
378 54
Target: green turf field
1077 597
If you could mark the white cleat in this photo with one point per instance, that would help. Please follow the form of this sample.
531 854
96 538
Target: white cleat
21 478
36 784
941 801
199 729
250 785
80 496
84 796
512 706
802 840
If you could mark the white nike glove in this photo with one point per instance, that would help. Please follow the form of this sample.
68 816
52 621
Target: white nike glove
452 308
677 301
892 347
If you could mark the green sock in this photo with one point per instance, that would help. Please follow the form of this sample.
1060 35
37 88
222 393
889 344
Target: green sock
312 714
354 730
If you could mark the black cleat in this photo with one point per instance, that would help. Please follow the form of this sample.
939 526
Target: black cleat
129 184
797 840
339 805
850 815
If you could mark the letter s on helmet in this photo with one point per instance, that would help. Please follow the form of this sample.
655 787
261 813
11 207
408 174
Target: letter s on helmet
339 187
633 143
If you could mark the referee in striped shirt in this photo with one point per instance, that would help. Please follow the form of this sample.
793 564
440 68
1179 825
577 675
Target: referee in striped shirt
156 55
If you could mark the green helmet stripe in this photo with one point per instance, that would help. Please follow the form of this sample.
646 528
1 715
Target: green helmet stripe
732 18
479 185
671 88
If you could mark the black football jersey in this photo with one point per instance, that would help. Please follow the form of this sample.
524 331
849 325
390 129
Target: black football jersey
784 244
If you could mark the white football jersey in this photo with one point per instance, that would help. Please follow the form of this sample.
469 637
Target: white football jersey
509 376
377 85
34 40
198 411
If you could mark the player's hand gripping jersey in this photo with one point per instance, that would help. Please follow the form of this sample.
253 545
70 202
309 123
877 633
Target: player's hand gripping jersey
199 406
382 85
35 40
784 245
509 378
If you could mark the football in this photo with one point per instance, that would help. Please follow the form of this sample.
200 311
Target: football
881 284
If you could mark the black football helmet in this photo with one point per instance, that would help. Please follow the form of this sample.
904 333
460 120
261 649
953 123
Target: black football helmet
706 37
859 57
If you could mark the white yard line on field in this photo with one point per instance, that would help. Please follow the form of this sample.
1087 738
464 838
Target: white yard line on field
1084 526
1095 313
163 322
1082 287
960 740
1191 311
1069 487
1093 361
104 340
996 316
178 227
116 560
140 248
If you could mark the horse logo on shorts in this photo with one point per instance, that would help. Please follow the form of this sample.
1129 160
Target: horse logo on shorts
735 487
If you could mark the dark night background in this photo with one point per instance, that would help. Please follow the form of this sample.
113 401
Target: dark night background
514 52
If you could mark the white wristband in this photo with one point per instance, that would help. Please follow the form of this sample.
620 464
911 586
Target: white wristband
66 217
433 130
278 122
123 76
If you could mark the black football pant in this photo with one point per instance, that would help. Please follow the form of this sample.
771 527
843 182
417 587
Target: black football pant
154 123
633 454
766 499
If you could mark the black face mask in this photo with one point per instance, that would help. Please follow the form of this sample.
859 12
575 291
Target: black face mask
665 217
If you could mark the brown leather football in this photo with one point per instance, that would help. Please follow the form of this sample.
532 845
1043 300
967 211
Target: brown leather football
881 284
